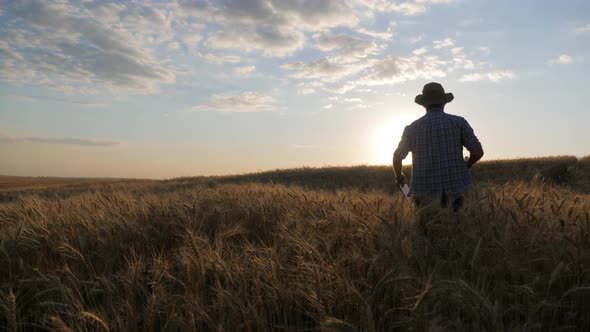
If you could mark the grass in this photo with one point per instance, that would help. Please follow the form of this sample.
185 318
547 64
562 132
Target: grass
299 249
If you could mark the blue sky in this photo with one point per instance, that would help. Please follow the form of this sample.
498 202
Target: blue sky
174 88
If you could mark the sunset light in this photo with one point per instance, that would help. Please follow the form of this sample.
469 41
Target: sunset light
160 89
236 165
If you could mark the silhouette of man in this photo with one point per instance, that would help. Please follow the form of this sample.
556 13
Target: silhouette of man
436 140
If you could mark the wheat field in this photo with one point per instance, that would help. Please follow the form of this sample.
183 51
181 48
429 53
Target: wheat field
308 249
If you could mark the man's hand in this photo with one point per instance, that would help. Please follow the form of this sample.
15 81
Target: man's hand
400 180
474 156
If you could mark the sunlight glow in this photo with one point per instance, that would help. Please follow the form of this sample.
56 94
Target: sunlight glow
385 138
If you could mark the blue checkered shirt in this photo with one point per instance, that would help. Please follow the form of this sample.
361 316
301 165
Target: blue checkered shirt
436 141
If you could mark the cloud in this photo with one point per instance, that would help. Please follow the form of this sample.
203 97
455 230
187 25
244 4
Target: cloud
407 8
275 27
325 70
305 146
21 98
396 69
244 70
270 40
564 59
91 142
353 100
583 28
447 42
63 46
460 60
419 51
484 49
347 48
415 39
495 76
245 102
386 35
63 100
335 75
315 15
221 59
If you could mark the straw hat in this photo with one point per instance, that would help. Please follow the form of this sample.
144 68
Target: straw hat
433 94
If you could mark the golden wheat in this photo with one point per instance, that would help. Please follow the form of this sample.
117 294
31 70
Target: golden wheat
171 256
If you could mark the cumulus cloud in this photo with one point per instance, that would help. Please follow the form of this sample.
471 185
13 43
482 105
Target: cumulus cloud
91 142
345 46
61 46
221 59
385 35
443 43
419 51
334 75
396 69
494 76
270 40
325 70
278 27
275 27
460 59
564 59
244 70
313 14
245 102
407 8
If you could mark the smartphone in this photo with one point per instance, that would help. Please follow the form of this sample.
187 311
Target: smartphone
405 188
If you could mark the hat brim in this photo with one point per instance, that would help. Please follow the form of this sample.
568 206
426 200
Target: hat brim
434 100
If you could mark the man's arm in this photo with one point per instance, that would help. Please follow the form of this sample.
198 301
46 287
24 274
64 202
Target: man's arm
471 143
400 153
474 156
397 171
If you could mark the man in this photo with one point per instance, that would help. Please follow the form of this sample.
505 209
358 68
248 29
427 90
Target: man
436 140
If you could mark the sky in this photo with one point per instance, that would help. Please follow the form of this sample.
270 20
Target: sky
162 89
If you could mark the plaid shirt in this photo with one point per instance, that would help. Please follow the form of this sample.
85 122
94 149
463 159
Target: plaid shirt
436 141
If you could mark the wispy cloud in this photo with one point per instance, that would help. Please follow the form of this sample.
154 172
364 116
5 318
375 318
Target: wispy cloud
415 39
246 102
22 98
346 48
305 146
564 59
91 142
583 28
221 59
484 49
31 98
244 70
447 42
494 76
407 8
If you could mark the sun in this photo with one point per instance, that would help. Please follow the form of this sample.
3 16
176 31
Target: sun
385 138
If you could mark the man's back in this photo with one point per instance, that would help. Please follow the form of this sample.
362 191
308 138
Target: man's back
436 141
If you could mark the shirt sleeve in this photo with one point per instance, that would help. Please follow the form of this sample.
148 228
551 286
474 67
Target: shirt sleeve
403 147
468 138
